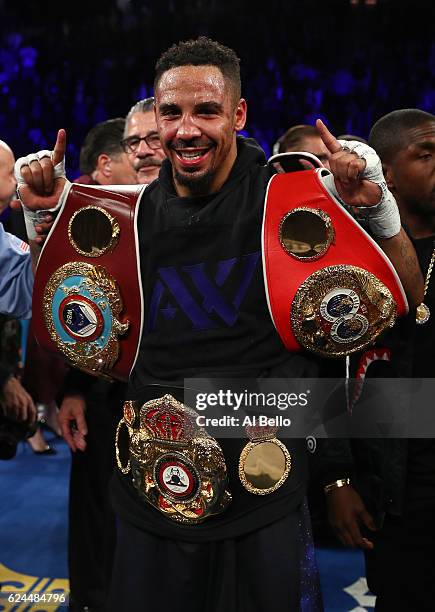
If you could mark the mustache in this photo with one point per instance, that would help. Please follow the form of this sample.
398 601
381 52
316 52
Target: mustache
148 161
195 143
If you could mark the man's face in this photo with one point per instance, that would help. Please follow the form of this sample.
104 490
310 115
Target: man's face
411 175
144 160
7 180
316 146
197 120
123 172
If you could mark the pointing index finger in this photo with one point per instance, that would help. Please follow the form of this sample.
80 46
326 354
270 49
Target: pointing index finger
330 141
59 147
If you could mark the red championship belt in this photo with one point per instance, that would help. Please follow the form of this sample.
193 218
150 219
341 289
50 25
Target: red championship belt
87 298
330 287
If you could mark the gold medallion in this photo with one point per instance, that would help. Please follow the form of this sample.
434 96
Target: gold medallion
264 463
422 314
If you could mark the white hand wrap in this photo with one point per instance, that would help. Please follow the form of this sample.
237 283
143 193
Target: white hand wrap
35 217
383 218
59 169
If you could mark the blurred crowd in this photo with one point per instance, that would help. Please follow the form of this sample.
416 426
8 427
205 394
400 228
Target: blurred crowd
301 60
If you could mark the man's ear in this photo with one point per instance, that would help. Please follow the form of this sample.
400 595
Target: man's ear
388 174
240 114
104 165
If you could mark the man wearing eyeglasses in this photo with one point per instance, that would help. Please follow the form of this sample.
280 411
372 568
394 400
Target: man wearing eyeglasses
141 141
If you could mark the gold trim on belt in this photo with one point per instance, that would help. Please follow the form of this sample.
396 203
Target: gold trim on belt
264 463
176 465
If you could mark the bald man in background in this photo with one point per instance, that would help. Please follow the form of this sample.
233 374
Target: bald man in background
16 284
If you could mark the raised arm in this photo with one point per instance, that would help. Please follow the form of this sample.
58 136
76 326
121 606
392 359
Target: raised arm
41 181
359 182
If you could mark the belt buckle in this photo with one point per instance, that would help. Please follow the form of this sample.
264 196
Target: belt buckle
176 465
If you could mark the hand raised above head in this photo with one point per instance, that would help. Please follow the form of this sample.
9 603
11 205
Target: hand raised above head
357 169
41 176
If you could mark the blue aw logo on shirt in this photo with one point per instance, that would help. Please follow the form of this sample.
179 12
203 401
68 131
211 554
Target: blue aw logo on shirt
172 293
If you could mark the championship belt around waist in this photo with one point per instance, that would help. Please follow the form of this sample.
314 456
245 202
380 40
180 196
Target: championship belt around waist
330 287
175 465
87 297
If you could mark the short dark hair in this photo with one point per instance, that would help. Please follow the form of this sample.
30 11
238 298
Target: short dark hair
388 136
105 137
202 51
293 136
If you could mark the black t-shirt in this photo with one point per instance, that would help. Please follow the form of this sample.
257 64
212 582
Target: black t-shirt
206 308
206 315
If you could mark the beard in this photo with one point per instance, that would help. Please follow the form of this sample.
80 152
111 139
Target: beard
424 205
198 185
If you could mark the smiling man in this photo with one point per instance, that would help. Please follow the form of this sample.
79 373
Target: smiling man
198 109
202 215
193 534
141 141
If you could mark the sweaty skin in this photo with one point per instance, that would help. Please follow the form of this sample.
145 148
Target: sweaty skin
198 119
410 176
